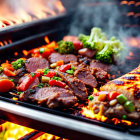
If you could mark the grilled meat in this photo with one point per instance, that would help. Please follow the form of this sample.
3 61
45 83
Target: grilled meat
98 64
77 86
34 63
54 57
87 52
86 76
54 97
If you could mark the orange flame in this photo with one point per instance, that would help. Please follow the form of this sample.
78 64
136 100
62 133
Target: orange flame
5 42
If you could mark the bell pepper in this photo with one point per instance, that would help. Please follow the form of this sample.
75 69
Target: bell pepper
51 74
64 68
121 98
112 95
8 72
102 97
27 81
129 106
77 45
57 83
60 62
90 98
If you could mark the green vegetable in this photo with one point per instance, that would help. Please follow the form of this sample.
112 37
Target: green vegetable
107 50
70 71
12 80
19 63
56 49
124 117
1 70
41 50
121 98
65 47
57 78
40 85
129 106
33 74
18 93
31 91
46 71
72 68
90 98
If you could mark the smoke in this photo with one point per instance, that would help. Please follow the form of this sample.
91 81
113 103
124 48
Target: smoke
102 13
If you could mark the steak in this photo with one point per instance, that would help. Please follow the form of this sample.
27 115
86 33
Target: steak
54 97
77 86
87 52
54 57
34 63
86 76
98 64
99 73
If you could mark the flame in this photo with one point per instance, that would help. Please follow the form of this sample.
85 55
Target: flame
11 14
5 42
11 131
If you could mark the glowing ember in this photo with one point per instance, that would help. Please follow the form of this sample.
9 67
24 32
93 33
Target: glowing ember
11 131
15 12
133 42
5 42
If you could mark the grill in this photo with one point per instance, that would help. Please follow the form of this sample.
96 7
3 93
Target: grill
67 124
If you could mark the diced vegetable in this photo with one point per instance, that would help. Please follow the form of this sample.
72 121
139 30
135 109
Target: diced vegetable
53 65
72 67
6 85
128 105
57 78
27 82
33 74
57 83
46 71
124 117
65 47
8 72
40 85
8 66
41 50
59 63
102 97
45 79
70 71
121 98
51 74
90 98
112 95
46 53
113 102
12 80
1 70
64 68
18 64
77 45
18 93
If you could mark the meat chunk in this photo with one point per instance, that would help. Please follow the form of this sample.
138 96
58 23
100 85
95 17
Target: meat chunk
77 86
87 52
99 73
54 57
128 85
34 63
98 64
86 76
54 97
70 38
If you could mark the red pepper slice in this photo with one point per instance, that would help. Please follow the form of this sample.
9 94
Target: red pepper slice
27 82
112 95
77 45
64 68
51 74
57 83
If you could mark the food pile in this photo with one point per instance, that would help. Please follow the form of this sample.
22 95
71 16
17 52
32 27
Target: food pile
63 73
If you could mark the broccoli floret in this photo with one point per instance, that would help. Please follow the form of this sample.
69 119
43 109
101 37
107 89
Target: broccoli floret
105 55
65 47
95 40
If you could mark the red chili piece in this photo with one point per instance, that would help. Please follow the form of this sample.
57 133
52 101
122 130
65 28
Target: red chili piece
78 45
28 81
51 74
64 68
112 95
57 83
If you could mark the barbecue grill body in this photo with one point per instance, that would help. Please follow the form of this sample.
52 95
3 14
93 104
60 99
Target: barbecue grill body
52 121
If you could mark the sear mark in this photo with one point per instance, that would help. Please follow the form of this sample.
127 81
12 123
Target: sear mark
130 77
